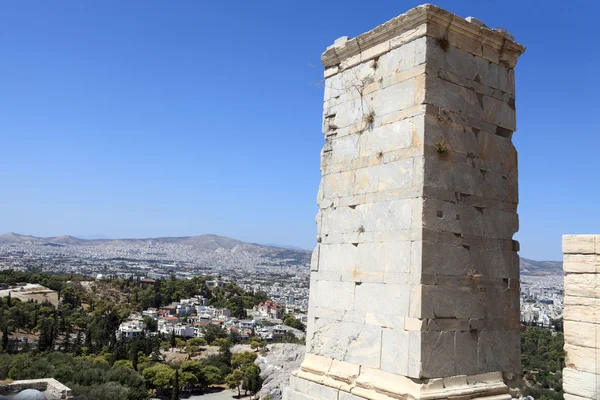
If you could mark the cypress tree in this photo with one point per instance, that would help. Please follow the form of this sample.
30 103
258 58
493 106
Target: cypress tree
175 395
5 338
134 359
77 344
88 340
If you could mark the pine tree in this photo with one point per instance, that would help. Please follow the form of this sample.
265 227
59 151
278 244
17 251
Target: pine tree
9 300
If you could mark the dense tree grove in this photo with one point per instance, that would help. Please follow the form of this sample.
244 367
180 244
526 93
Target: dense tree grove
542 361
76 343
90 377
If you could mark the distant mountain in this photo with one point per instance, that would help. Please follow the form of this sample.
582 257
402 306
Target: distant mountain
11 237
207 243
17 238
532 267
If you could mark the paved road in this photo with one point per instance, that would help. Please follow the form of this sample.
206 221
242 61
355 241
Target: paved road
224 394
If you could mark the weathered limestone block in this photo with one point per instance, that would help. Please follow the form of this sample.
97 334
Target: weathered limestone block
581 377
581 263
368 297
582 285
488 75
580 244
582 333
453 97
582 358
339 295
347 341
415 280
581 383
581 309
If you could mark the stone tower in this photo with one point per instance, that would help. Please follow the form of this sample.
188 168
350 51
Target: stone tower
414 287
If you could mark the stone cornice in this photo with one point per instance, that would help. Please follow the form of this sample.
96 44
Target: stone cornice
428 20
374 384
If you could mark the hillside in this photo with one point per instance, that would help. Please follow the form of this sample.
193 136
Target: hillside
532 267
203 243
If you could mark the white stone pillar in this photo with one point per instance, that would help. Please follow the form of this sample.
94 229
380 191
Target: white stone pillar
581 264
415 280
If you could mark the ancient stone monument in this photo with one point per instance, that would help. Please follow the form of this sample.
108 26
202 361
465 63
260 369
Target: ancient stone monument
581 376
415 280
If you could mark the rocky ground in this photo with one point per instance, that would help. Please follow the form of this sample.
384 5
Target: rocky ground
276 365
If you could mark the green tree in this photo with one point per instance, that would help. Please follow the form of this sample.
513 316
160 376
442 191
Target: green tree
211 375
173 340
46 334
294 323
5 338
197 341
175 392
158 376
252 381
225 350
241 359
234 380
151 324
123 364
213 332
179 343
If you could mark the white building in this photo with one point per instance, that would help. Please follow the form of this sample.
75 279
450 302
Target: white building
130 329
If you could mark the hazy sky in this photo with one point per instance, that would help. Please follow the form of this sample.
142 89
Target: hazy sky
172 118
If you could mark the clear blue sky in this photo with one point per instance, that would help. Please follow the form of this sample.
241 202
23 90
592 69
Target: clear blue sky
156 118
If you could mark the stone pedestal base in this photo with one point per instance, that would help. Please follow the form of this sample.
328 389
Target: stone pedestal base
383 386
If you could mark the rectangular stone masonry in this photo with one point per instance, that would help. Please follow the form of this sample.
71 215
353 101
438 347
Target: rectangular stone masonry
415 280
581 376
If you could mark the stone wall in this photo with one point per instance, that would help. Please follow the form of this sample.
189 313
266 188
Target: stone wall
50 387
581 376
415 279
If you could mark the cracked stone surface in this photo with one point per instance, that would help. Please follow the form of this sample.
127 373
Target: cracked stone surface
276 366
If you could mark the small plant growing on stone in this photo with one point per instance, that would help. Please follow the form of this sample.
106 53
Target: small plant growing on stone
442 147
380 155
374 63
361 229
472 275
443 43
370 118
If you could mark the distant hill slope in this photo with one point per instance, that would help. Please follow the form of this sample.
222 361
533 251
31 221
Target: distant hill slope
208 243
532 267
222 244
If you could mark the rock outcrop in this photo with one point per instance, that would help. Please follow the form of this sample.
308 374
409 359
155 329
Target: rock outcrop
276 366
